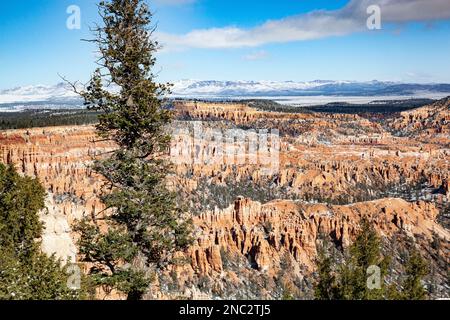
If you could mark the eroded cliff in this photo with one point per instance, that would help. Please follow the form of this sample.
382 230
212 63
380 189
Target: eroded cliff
257 233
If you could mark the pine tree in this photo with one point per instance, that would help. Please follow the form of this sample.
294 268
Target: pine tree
349 281
351 275
25 272
364 253
325 288
416 268
144 225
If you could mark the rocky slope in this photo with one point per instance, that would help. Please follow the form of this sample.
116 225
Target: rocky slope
277 241
429 122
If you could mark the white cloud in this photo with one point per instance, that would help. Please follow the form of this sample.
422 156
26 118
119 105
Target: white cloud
314 25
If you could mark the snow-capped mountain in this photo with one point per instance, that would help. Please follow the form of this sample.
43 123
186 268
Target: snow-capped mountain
213 87
39 93
62 95
192 88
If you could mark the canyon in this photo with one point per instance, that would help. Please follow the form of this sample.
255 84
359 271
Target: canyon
257 234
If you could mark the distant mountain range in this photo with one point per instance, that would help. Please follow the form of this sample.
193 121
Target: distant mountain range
39 93
60 94
192 88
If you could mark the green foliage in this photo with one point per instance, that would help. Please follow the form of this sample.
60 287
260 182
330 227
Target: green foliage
416 269
25 272
364 252
287 296
383 108
326 288
35 277
20 200
348 279
46 118
145 226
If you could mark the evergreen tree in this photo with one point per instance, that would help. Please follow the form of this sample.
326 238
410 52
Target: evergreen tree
326 286
416 268
25 272
143 225
364 253
350 279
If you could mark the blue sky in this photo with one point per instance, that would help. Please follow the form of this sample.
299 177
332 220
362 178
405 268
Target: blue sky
240 40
